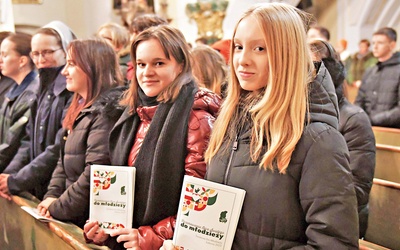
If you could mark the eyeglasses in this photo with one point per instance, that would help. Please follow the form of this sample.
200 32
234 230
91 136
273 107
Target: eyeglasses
45 53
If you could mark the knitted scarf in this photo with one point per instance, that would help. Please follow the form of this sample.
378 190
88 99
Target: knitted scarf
160 164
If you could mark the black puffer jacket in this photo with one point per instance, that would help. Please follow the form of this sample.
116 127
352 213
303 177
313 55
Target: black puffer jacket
14 115
32 166
379 94
356 128
86 144
312 206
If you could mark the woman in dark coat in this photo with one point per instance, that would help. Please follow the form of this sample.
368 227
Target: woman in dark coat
163 132
15 110
269 141
86 127
31 168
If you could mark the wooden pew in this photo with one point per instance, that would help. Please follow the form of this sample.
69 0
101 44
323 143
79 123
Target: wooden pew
387 165
387 153
19 230
384 216
387 136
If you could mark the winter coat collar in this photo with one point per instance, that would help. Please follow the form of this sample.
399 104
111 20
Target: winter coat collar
394 60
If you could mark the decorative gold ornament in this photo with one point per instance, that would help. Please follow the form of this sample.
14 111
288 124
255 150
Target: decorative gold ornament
208 15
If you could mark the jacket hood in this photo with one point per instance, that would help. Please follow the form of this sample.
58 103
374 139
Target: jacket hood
323 103
394 60
66 34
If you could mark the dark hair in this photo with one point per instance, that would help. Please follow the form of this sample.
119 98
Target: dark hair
366 41
101 74
4 34
22 43
143 22
50 32
388 32
324 31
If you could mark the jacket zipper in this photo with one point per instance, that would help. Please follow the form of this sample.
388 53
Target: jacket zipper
234 148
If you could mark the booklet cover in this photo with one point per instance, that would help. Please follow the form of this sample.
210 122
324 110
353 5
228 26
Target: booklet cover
111 196
34 212
208 215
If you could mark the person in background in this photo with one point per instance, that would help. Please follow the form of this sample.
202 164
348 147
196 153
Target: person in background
379 93
163 131
342 50
139 24
356 128
209 68
5 82
293 164
31 168
222 46
16 64
86 127
118 37
318 32
359 62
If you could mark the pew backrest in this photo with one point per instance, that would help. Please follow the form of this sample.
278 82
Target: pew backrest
384 214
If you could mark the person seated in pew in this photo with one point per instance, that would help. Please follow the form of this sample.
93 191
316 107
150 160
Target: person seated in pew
86 127
356 128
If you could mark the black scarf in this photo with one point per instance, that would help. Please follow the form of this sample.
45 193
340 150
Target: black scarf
160 164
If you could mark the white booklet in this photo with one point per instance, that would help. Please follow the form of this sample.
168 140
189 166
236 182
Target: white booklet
35 213
208 215
112 189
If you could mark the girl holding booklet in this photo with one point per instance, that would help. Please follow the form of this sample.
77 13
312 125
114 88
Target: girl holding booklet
86 127
163 132
272 140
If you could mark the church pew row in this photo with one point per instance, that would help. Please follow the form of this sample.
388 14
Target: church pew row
383 221
387 136
19 230
387 162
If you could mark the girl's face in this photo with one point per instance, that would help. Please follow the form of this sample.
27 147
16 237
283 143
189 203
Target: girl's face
250 59
10 60
46 52
76 79
154 71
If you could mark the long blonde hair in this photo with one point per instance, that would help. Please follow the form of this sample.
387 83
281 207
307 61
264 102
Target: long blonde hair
278 116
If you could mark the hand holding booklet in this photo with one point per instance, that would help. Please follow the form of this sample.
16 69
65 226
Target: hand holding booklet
111 196
208 215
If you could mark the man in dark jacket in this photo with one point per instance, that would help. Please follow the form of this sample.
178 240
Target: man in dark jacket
379 94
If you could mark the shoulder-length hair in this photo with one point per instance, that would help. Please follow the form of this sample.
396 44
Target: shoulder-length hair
97 59
209 68
174 45
278 117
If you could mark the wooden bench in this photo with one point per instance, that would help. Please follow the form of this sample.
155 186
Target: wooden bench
19 230
384 216
387 136
387 165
